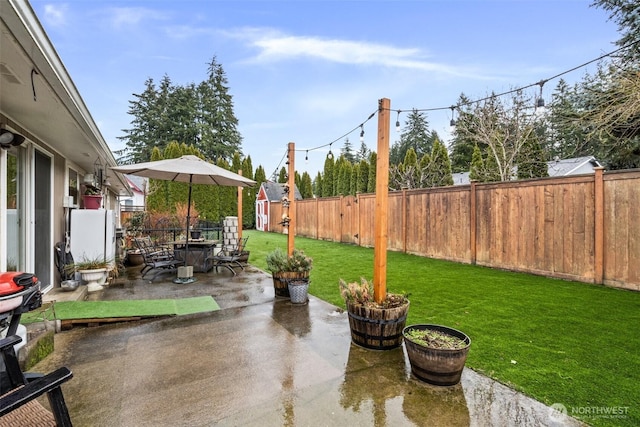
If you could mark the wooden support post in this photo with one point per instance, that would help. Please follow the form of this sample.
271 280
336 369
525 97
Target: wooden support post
382 204
240 208
291 156
598 273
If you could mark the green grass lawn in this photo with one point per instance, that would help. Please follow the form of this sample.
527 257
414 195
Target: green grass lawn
557 341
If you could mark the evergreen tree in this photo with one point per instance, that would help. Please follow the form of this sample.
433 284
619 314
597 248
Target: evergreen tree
355 172
249 196
282 175
461 146
317 185
371 180
306 188
199 115
363 153
327 178
440 165
416 135
532 162
476 173
344 178
219 136
347 151
363 176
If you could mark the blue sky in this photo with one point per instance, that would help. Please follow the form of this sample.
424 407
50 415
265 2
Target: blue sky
310 71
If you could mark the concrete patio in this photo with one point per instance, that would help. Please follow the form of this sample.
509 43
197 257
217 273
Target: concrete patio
259 361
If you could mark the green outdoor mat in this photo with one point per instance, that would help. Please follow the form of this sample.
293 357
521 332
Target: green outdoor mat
69 310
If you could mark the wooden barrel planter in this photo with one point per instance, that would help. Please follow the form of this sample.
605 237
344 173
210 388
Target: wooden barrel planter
281 281
437 366
377 328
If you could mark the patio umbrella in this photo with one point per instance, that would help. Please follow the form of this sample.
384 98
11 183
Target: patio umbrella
190 169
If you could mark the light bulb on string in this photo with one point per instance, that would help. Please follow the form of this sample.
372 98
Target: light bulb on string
452 123
362 132
330 154
398 121
540 100
306 156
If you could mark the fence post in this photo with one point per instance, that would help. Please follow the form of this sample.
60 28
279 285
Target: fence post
472 221
598 187
404 220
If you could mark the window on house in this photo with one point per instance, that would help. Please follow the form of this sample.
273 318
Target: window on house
74 186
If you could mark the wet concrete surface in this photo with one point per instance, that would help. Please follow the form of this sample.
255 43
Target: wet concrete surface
260 361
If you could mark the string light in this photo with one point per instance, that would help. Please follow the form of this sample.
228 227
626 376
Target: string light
539 103
306 157
540 100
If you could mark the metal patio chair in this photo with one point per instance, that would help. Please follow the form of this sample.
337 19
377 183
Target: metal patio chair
229 256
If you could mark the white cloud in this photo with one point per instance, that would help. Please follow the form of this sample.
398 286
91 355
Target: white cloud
274 46
131 16
55 14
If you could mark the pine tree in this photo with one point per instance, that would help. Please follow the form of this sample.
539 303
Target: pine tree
347 151
416 135
219 136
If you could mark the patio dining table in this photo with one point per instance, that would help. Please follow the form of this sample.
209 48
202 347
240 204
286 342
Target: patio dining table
199 252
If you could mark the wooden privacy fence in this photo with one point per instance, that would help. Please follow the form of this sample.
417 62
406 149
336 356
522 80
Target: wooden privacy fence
584 227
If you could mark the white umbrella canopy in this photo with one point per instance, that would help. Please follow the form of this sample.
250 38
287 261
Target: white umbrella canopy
190 169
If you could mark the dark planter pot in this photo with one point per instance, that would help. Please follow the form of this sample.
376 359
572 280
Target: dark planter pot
195 234
434 365
134 259
377 328
281 281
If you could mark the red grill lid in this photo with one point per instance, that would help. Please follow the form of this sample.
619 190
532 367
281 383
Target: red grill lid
12 282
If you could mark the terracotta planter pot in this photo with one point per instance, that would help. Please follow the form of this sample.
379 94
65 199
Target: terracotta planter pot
92 201
377 328
437 366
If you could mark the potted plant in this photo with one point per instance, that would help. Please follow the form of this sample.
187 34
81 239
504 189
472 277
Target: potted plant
437 354
93 271
286 269
92 197
374 325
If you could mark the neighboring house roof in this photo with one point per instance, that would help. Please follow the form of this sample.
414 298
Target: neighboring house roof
275 191
575 166
138 184
564 167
